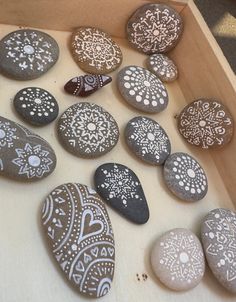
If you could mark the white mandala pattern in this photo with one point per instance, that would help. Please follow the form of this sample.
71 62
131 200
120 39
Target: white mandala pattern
7 135
97 48
163 67
89 128
206 123
154 28
32 160
29 50
149 138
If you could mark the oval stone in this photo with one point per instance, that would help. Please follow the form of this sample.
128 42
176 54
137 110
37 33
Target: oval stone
177 259
80 237
87 130
185 177
120 187
148 140
206 123
163 67
142 89
218 232
24 155
27 54
95 51
154 28
36 105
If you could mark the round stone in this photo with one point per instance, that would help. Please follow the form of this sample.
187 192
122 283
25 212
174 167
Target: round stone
27 54
163 67
177 259
185 177
94 50
142 89
87 130
147 140
36 106
206 123
154 28
218 233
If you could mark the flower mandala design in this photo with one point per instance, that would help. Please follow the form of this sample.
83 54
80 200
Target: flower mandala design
206 123
154 28
33 161
120 184
97 48
7 135
29 50
163 67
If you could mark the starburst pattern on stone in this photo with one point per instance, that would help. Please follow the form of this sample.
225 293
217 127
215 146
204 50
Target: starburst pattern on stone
7 135
32 160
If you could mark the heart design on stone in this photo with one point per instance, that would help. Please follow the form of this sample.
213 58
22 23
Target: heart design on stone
79 266
89 225
77 278
87 258
111 251
94 252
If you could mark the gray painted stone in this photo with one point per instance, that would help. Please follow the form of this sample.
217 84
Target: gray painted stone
148 140
27 54
36 105
185 177
163 67
218 234
154 28
177 259
142 89
87 130
24 156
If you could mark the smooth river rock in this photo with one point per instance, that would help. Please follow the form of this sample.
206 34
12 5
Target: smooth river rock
218 234
154 28
147 140
206 123
36 106
177 259
80 237
87 130
120 188
27 54
142 89
95 51
185 177
24 155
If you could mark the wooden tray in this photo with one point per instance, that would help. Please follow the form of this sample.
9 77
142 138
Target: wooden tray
27 271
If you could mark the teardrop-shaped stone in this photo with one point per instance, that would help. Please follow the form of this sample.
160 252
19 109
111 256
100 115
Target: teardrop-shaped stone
120 187
86 84
24 155
80 237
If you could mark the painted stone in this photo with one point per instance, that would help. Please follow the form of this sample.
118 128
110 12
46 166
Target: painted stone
94 50
120 188
206 123
87 130
148 140
185 177
24 156
87 84
163 67
154 28
218 234
177 259
36 105
27 54
80 236
142 89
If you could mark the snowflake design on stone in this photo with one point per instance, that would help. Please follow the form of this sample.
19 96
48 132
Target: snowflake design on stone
181 255
206 123
120 184
154 28
33 161
7 135
219 238
29 50
37 101
97 48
